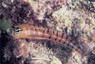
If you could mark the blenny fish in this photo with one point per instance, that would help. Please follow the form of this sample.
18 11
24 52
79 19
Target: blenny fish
28 31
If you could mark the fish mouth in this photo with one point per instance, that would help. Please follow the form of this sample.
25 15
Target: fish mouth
10 31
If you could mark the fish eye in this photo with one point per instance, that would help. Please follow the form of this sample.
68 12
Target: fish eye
17 30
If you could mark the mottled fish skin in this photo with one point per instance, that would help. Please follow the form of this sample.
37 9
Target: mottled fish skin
36 32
